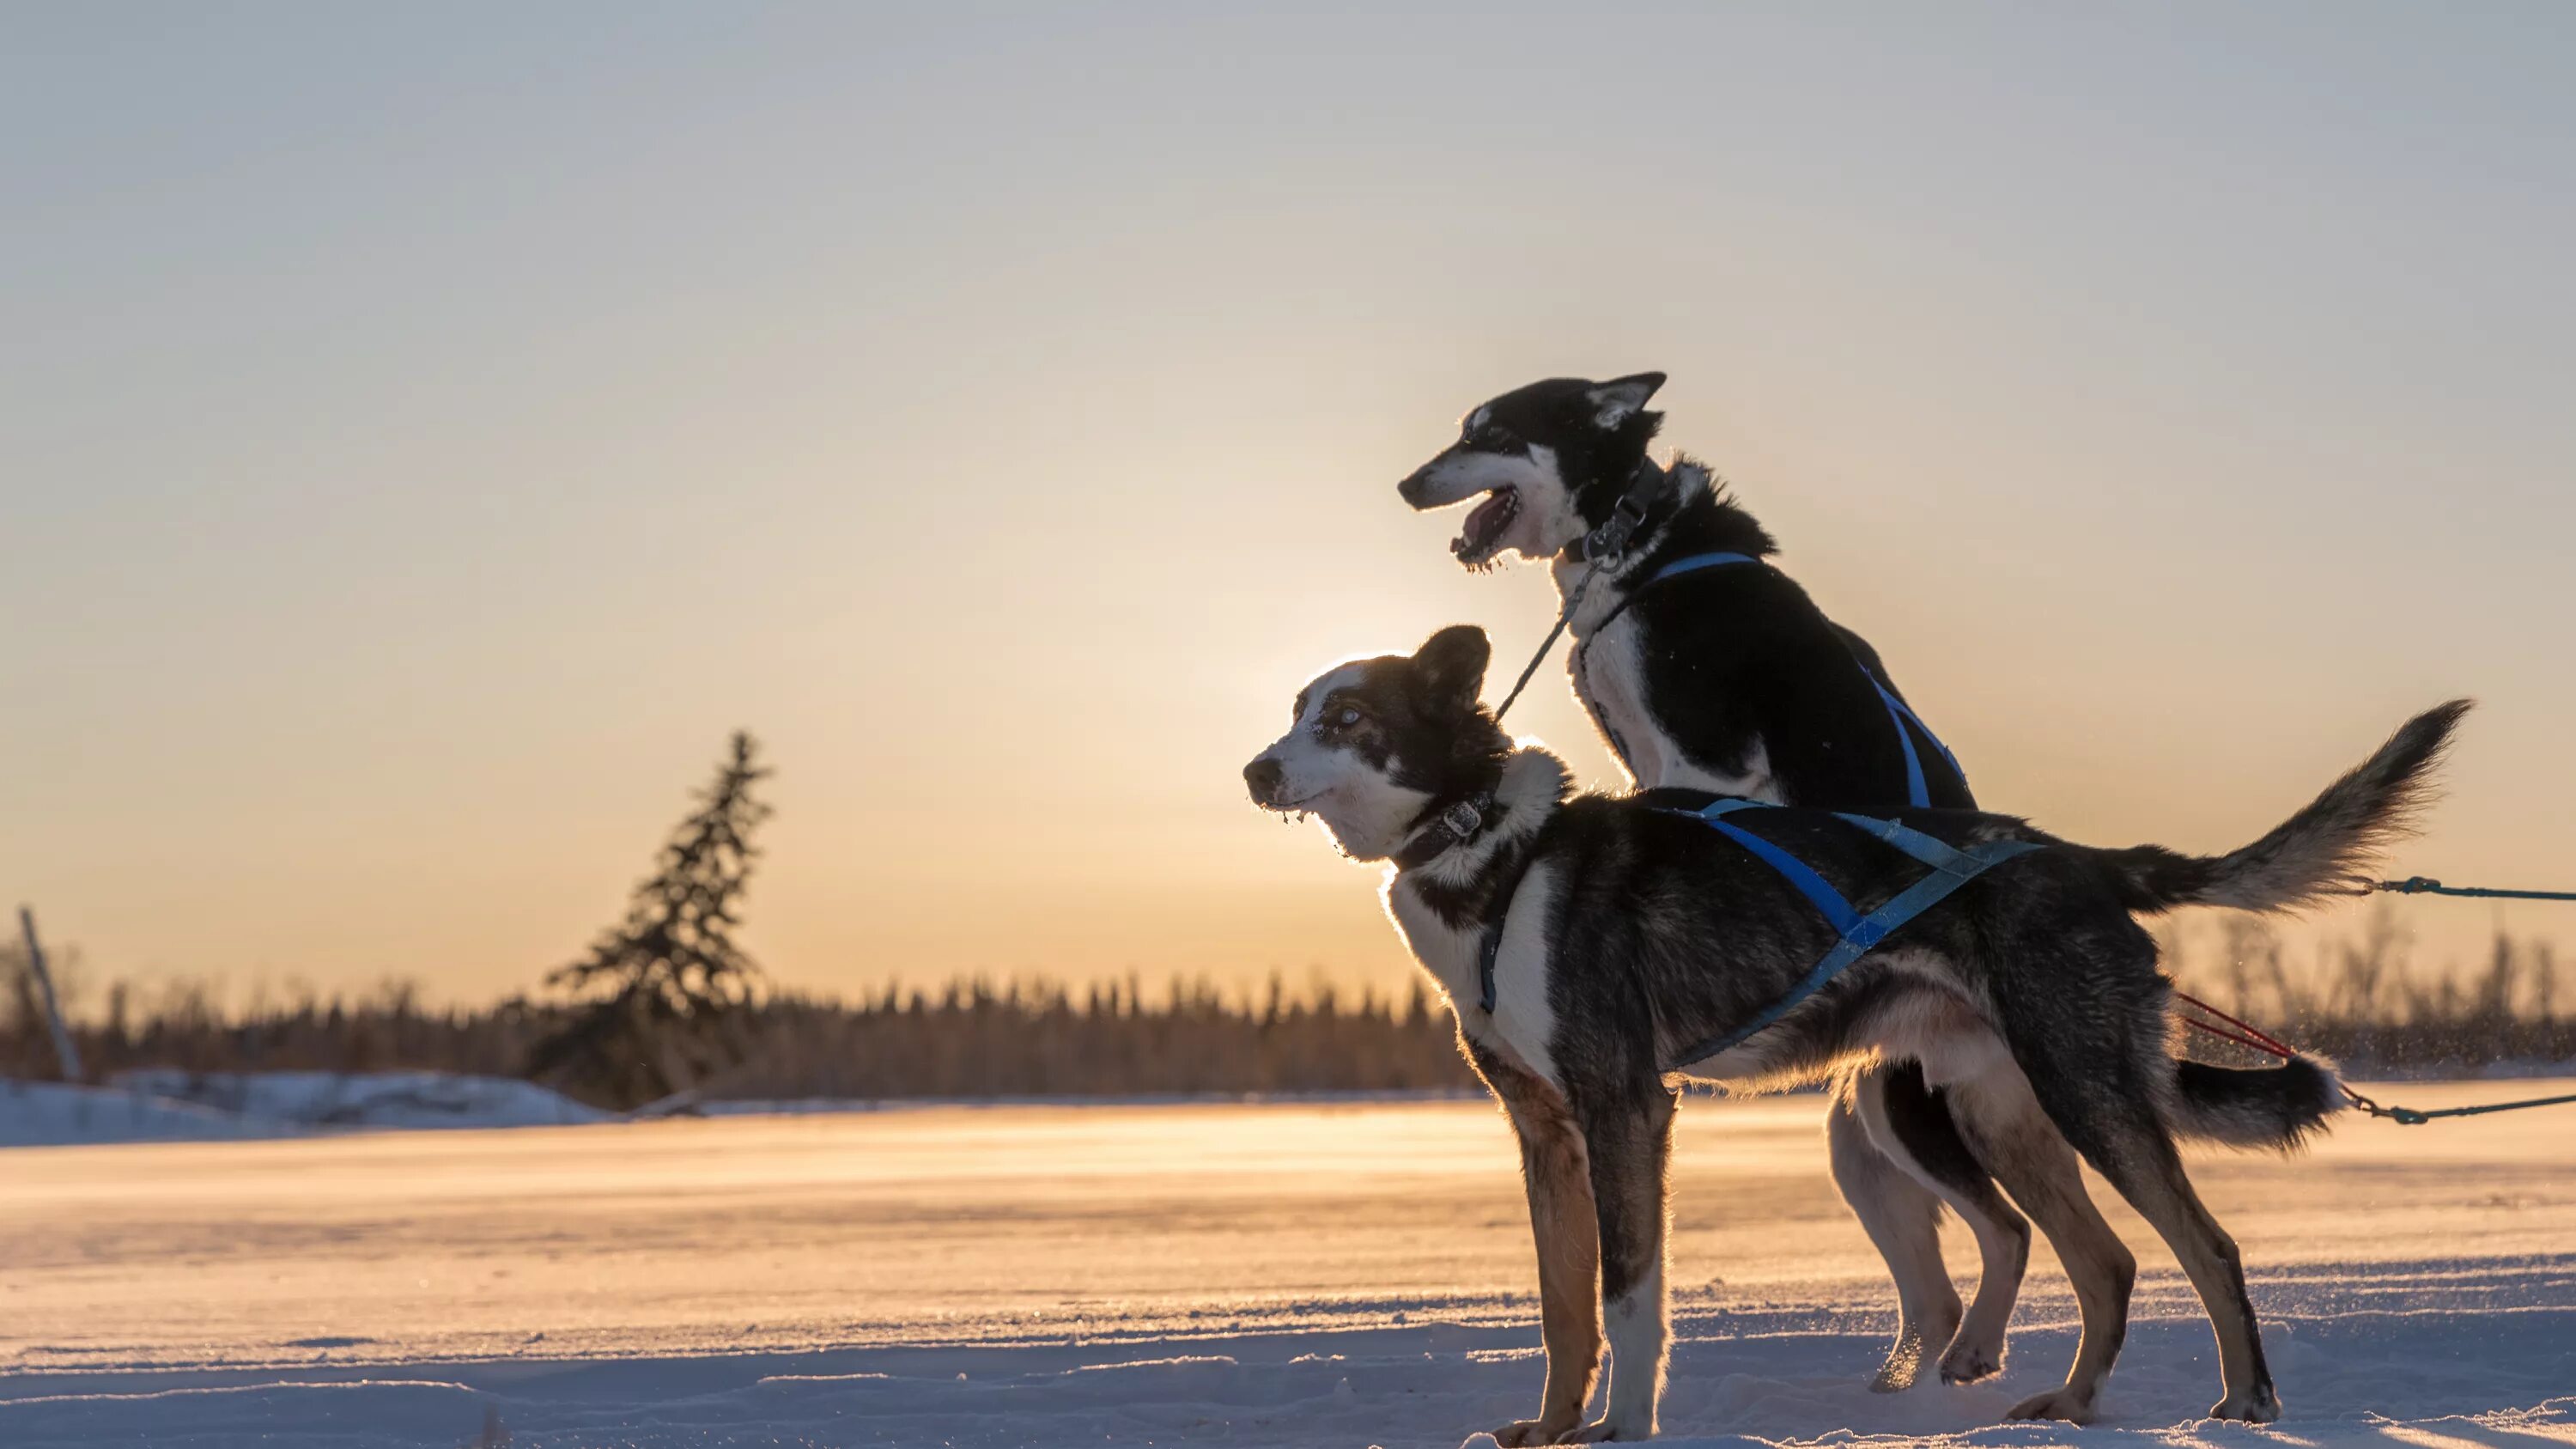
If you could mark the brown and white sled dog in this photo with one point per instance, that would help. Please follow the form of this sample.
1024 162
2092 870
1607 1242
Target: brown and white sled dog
1628 929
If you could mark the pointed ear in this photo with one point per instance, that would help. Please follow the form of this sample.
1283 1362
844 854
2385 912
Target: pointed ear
1453 663
1616 401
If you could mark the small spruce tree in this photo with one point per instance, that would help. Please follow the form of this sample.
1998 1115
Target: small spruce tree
656 993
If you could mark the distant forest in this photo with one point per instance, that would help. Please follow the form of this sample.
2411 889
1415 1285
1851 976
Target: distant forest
967 1039
2363 1003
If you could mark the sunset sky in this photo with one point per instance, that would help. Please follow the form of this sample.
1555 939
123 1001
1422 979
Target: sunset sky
425 433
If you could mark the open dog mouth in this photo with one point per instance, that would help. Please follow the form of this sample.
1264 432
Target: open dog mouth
1482 535
1299 806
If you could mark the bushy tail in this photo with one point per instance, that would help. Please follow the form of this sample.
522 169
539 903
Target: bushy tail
2275 1107
2323 850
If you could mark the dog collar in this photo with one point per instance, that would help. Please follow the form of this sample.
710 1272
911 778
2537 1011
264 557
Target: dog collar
1607 544
1460 822
1604 548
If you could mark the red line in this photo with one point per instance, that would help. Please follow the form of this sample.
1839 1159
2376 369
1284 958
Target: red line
2226 1035
2260 1038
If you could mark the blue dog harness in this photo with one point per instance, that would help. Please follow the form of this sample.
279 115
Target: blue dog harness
1899 714
1858 933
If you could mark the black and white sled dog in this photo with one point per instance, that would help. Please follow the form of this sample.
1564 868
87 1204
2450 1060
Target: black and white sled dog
1704 666
1625 932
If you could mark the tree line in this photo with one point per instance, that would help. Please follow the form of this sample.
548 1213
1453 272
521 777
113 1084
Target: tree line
665 1002
2363 1003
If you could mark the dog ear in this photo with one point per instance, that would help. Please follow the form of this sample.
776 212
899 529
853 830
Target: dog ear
1616 401
1453 663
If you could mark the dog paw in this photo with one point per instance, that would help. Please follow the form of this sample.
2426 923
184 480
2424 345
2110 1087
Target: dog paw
2059 1403
1904 1365
1602 1431
2260 1404
1525 1432
1967 1363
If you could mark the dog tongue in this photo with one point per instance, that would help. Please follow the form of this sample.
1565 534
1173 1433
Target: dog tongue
1484 516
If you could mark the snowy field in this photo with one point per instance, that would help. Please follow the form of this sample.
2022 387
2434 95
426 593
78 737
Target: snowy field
1246 1275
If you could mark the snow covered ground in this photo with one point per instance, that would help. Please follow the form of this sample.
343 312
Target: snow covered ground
49 1114
173 1106
1285 1274
409 1100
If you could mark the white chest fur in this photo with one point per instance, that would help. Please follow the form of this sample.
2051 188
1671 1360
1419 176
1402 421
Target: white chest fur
1453 957
1522 1025
1608 665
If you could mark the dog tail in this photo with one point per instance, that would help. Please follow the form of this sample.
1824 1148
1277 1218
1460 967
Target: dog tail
2323 850
2277 1107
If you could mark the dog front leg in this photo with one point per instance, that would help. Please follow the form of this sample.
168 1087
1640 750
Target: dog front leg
1566 1226
1629 1141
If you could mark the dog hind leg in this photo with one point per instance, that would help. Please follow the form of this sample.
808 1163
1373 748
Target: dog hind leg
2094 1074
2135 1153
1903 1219
1913 1125
2015 1140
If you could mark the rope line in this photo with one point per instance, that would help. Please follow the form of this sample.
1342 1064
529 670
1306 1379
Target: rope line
2417 885
2254 1036
2249 1035
1564 617
2223 1034
2411 1117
